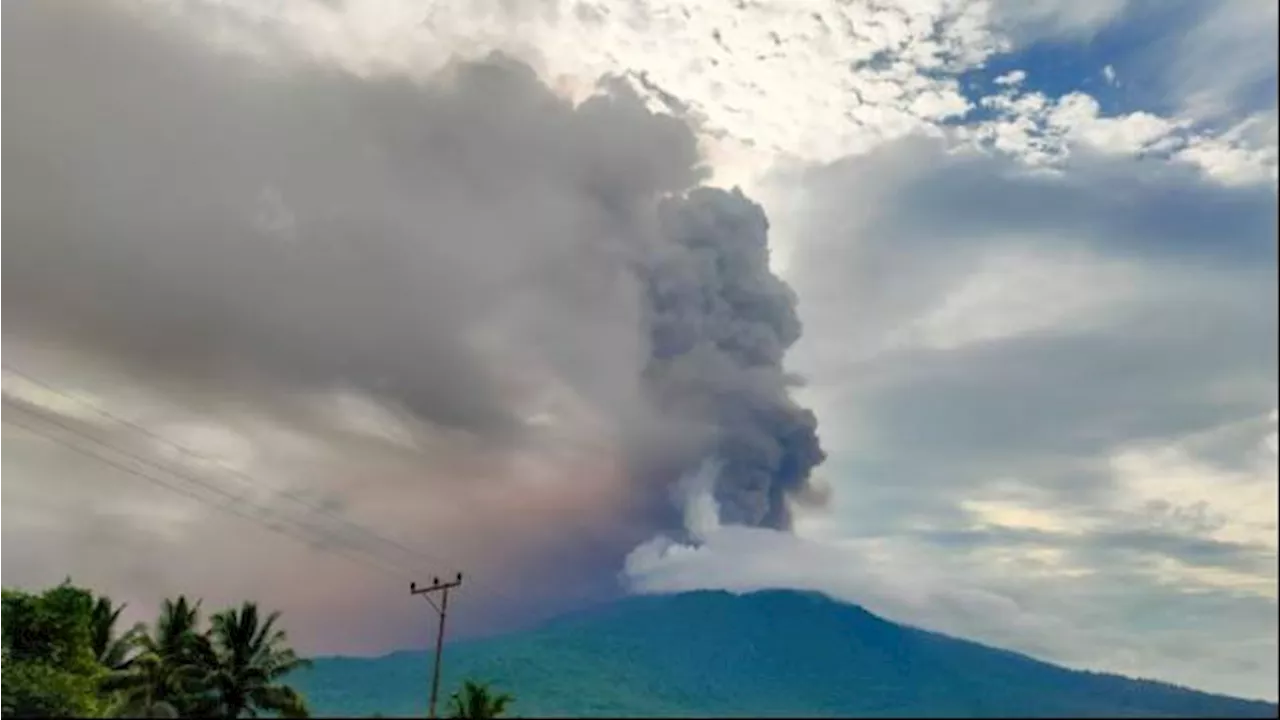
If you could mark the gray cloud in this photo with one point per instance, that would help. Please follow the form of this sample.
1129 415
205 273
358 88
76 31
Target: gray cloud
1108 545
1151 322
1030 21
509 280
1216 66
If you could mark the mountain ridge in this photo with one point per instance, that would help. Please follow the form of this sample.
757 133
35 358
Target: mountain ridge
767 653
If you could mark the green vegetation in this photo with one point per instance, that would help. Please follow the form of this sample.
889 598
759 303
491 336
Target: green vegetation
50 668
476 701
64 657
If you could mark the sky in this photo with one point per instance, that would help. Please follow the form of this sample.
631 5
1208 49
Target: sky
374 303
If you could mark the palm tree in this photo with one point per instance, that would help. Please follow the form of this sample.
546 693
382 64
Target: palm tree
168 676
112 652
476 701
178 635
251 657
117 654
152 688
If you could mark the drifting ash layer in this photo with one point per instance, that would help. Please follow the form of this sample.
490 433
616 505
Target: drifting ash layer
264 229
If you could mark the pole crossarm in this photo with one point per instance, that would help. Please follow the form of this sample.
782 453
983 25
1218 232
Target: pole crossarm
442 610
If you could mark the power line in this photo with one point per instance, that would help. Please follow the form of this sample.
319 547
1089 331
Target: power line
240 475
231 506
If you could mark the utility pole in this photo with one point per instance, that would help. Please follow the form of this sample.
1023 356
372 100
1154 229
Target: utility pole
442 610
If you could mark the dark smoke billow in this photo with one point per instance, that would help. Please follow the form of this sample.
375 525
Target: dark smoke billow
449 248
720 322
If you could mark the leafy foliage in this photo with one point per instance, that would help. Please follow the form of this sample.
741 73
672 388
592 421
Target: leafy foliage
50 668
63 657
40 689
53 627
112 651
475 700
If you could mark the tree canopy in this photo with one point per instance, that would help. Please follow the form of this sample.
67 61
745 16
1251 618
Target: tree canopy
476 700
50 668
64 656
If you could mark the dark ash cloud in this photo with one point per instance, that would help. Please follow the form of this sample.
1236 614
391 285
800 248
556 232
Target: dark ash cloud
721 322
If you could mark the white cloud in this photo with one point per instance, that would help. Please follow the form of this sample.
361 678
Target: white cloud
1077 117
1245 153
1043 132
1013 77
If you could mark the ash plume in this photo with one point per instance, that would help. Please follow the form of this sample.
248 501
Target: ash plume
720 322
470 250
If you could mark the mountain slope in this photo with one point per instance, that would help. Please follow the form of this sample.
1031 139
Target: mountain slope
773 653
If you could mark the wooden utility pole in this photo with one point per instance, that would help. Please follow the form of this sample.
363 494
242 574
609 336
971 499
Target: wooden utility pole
442 610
